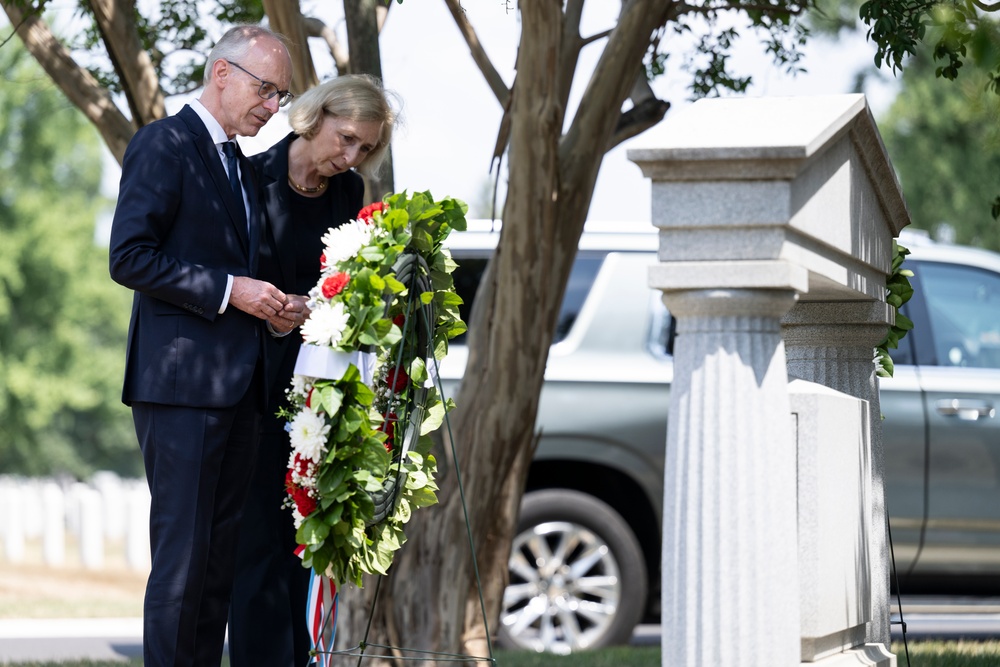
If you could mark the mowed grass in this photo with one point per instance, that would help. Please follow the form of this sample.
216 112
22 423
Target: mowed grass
922 654
31 589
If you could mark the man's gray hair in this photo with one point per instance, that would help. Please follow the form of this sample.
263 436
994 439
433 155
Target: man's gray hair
236 43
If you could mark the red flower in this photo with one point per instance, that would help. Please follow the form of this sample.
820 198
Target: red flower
367 213
397 379
304 503
335 284
300 465
399 320
389 428
309 397
322 261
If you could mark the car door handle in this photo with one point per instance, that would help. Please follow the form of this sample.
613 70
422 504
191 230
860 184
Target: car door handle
966 410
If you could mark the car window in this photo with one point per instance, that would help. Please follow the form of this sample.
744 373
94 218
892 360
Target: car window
963 308
470 271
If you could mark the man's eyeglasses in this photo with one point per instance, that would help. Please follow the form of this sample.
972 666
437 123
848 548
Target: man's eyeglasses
267 89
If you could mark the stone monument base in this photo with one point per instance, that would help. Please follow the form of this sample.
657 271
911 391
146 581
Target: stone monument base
869 654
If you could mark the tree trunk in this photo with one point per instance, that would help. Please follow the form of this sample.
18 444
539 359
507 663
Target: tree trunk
76 83
430 600
285 17
116 22
365 58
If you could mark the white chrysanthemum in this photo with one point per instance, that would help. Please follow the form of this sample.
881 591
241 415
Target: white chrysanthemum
326 324
345 241
308 435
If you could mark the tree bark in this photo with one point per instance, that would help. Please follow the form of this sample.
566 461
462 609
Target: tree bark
430 601
75 82
365 58
285 17
140 81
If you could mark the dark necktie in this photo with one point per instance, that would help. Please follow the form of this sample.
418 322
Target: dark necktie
229 148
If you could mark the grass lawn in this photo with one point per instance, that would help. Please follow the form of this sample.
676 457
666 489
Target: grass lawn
34 591
922 654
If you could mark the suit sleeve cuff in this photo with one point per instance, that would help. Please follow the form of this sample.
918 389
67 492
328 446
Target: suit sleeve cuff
225 297
277 334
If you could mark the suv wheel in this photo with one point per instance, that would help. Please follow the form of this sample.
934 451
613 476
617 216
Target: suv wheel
577 576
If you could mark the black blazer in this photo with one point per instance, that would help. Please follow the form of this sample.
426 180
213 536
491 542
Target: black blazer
278 265
177 233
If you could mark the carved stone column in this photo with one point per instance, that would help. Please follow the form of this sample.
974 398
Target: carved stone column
832 343
729 487
758 200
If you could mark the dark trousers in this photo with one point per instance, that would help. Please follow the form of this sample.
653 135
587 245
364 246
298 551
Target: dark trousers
267 619
198 463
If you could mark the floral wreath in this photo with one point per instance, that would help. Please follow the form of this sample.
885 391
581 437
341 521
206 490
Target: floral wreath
362 402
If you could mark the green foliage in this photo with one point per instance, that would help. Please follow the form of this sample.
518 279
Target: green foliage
62 320
898 292
776 24
174 34
956 31
944 141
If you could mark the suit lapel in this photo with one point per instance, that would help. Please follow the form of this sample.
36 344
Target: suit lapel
254 224
213 166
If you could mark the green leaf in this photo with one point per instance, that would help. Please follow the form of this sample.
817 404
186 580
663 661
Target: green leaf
446 299
371 254
418 372
330 399
433 419
312 531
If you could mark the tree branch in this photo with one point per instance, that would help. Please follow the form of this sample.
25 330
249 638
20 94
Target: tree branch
317 28
637 120
493 78
594 38
599 115
285 17
569 48
116 22
76 83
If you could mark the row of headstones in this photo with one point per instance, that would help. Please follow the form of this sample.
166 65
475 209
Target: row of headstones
105 510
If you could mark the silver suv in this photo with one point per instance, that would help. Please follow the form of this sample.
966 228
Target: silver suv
584 568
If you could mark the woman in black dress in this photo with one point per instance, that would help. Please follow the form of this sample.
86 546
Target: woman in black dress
309 185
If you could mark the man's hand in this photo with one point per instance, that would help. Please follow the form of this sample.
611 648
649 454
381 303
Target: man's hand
294 313
256 297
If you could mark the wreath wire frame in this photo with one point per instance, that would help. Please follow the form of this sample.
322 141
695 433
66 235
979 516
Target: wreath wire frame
411 269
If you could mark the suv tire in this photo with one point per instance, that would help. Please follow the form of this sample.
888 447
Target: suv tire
577 576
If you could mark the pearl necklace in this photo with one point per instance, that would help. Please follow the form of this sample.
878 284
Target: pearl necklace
308 191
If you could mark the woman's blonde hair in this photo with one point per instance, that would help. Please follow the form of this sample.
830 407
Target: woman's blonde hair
358 97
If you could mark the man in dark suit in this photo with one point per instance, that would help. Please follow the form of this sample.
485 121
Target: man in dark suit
185 238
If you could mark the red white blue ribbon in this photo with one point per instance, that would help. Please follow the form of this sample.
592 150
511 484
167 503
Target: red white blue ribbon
321 616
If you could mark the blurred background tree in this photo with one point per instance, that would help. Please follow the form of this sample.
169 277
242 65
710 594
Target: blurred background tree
944 140
62 322
943 136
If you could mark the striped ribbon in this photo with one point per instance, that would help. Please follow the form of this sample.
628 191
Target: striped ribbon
321 616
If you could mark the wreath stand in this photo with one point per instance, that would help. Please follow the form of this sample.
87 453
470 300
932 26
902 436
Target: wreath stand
418 338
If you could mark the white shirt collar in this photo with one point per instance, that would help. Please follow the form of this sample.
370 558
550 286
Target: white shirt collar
213 126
